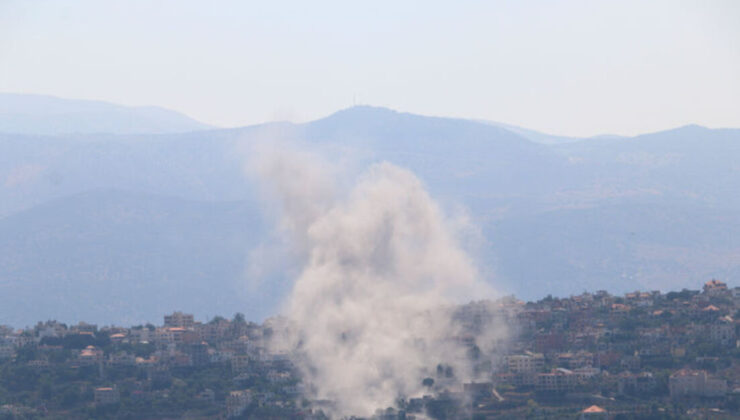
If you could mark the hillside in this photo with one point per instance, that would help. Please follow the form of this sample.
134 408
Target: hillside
652 211
117 256
49 115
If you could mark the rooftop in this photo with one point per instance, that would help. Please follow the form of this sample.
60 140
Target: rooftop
594 409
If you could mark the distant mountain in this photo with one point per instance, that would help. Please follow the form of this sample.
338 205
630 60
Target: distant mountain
116 256
691 162
456 157
453 156
102 219
628 244
49 115
533 135
544 138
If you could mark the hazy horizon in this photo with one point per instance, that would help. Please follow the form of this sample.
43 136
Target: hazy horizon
413 210
503 124
569 68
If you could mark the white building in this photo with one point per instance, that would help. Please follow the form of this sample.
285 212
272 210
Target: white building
722 331
525 363
695 383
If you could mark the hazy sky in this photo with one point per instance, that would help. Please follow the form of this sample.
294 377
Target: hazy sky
565 67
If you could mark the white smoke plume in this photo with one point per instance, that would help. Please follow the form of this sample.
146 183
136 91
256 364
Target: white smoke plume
370 310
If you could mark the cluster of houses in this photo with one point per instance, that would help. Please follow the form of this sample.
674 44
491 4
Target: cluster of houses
179 343
678 347
592 351
598 355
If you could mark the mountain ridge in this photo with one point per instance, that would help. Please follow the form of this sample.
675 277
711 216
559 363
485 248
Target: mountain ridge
168 213
51 115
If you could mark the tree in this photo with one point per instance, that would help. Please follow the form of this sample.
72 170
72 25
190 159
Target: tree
239 318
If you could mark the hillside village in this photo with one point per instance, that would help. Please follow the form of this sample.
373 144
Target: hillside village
594 355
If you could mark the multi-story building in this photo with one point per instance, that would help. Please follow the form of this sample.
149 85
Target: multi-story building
141 335
179 319
715 288
575 360
559 380
7 351
199 353
722 331
90 355
695 383
84 327
106 396
237 402
239 364
635 384
525 363
121 358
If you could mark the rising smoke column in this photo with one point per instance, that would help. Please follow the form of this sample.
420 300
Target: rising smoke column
369 312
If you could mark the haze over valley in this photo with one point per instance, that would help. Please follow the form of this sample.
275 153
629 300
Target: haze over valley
118 220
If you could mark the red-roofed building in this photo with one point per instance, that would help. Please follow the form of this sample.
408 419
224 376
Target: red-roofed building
90 355
594 412
715 288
